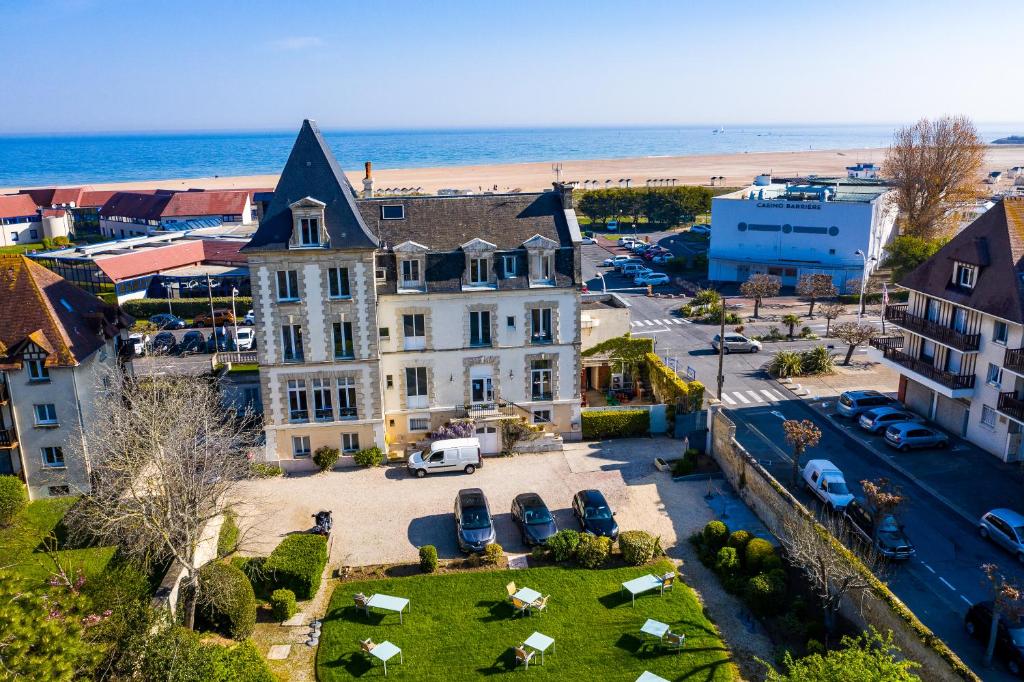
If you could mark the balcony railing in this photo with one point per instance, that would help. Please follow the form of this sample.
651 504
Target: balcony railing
1009 404
898 315
8 439
1013 360
940 376
887 342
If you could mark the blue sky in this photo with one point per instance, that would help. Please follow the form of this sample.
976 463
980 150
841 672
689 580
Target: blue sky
119 65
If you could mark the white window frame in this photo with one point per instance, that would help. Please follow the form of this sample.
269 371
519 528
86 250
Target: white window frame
541 376
988 417
301 447
53 457
411 273
323 405
541 321
542 267
345 329
508 265
298 401
419 422
400 207
994 376
37 370
1001 339
481 327
414 341
335 281
291 337
541 419
478 265
350 442
50 418
309 226
347 398
415 390
287 286
966 275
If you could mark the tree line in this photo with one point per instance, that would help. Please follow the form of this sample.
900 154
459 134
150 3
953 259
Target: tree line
659 205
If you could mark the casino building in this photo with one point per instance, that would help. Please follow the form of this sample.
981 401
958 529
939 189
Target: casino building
791 228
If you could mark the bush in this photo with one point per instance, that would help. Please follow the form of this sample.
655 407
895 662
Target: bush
12 499
593 550
638 547
564 544
493 553
715 534
369 457
738 540
177 654
326 457
282 603
619 423
786 363
456 428
759 551
817 360
184 307
765 594
226 600
297 564
254 568
264 470
539 553
685 465
428 558
227 541
727 562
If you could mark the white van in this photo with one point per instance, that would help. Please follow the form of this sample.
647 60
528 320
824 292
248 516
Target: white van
446 455
245 339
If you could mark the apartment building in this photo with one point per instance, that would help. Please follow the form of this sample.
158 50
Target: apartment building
379 319
138 214
56 341
22 222
960 343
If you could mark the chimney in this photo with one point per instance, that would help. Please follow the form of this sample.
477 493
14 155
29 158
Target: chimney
368 181
565 190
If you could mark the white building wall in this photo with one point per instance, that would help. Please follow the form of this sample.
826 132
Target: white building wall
21 233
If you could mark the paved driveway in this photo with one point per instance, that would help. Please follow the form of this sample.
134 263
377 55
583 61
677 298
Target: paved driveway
383 515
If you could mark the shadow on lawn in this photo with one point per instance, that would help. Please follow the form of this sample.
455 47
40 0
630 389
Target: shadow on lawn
504 663
708 670
615 599
496 610
352 614
355 663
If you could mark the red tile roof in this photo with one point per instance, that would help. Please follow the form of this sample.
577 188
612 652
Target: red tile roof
213 203
153 259
54 212
16 205
42 196
95 198
67 195
41 307
135 205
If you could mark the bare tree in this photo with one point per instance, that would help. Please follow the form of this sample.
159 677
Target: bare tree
935 167
883 498
831 312
760 286
853 333
800 434
165 457
814 287
1007 600
830 574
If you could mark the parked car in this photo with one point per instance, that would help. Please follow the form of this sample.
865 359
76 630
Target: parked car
650 253
594 514
653 279
626 241
631 261
906 435
612 225
474 529
1009 635
852 403
701 229
736 343
165 342
633 270
454 454
533 518
219 340
245 339
250 318
882 531
139 343
1004 527
192 342
614 261
662 258
588 240
879 418
167 321
220 316
639 247
826 482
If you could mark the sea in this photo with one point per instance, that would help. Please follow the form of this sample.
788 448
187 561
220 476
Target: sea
64 159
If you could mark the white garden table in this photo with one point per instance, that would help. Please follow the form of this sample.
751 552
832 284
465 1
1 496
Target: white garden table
386 651
388 603
644 583
540 643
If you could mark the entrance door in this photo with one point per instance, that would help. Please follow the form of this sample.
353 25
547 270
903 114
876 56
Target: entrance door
490 443
481 385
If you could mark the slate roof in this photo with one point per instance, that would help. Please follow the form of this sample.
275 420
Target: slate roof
312 171
995 243
41 307
217 202
16 205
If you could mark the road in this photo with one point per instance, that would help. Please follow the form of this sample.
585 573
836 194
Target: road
944 577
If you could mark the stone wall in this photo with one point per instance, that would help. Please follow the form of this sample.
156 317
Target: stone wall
878 607
169 592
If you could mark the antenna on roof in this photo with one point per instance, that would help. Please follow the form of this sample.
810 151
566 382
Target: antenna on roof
556 168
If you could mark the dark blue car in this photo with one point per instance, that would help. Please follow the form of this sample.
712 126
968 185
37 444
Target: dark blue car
533 518
474 528
594 514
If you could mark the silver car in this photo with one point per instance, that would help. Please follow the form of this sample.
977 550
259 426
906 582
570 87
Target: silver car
879 418
906 435
736 343
1004 527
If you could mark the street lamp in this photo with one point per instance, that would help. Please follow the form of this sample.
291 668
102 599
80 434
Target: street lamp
863 279
168 286
234 318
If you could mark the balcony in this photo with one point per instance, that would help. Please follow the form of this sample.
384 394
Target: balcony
884 343
1013 360
8 439
953 382
947 336
1010 405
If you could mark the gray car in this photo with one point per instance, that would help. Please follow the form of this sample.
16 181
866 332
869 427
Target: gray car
1004 527
907 435
876 420
852 403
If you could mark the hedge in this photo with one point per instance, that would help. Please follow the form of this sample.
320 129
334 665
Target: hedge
369 457
184 307
12 499
228 603
619 423
564 543
282 603
715 534
638 547
593 550
227 541
298 563
326 457
428 558
670 389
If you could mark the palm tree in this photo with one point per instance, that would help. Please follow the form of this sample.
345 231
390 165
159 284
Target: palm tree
791 320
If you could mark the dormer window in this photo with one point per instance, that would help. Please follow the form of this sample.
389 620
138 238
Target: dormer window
411 278
410 265
392 212
478 270
965 275
308 223
541 252
309 232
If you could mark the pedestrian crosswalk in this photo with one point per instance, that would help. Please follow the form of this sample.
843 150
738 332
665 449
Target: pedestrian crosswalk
666 322
752 397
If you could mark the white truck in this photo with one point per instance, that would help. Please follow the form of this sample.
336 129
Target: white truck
826 482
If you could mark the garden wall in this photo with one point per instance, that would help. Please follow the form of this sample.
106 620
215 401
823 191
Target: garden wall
170 588
879 606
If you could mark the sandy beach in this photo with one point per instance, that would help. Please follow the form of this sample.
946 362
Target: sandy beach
736 169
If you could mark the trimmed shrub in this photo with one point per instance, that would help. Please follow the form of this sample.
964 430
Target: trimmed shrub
179 654
738 539
264 470
227 602
765 594
12 499
282 603
297 564
184 307
326 457
593 550
428 558
727 561
638 547
715 534
493 553
539 553
227 541
669 388
599 424
369 457
254 568
564 544
757 552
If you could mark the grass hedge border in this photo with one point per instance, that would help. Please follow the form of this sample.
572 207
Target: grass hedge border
297 564
598 424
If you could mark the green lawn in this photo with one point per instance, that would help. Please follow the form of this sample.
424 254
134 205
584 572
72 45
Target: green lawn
461 626
22 543
16 249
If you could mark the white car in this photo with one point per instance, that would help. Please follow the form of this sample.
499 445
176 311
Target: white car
736 343
615 261
653 279
634 270
245 339
140 343
700 229
626 241
826 481
587 240
250 318
662 258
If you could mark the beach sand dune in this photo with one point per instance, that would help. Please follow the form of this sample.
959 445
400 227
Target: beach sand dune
734 169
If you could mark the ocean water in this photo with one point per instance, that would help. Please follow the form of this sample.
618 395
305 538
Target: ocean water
82 159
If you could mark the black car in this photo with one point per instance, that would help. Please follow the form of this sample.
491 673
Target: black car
533 518
192 342
1009 637
219 340
167 321
165 343
474 528
881 530
594 514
